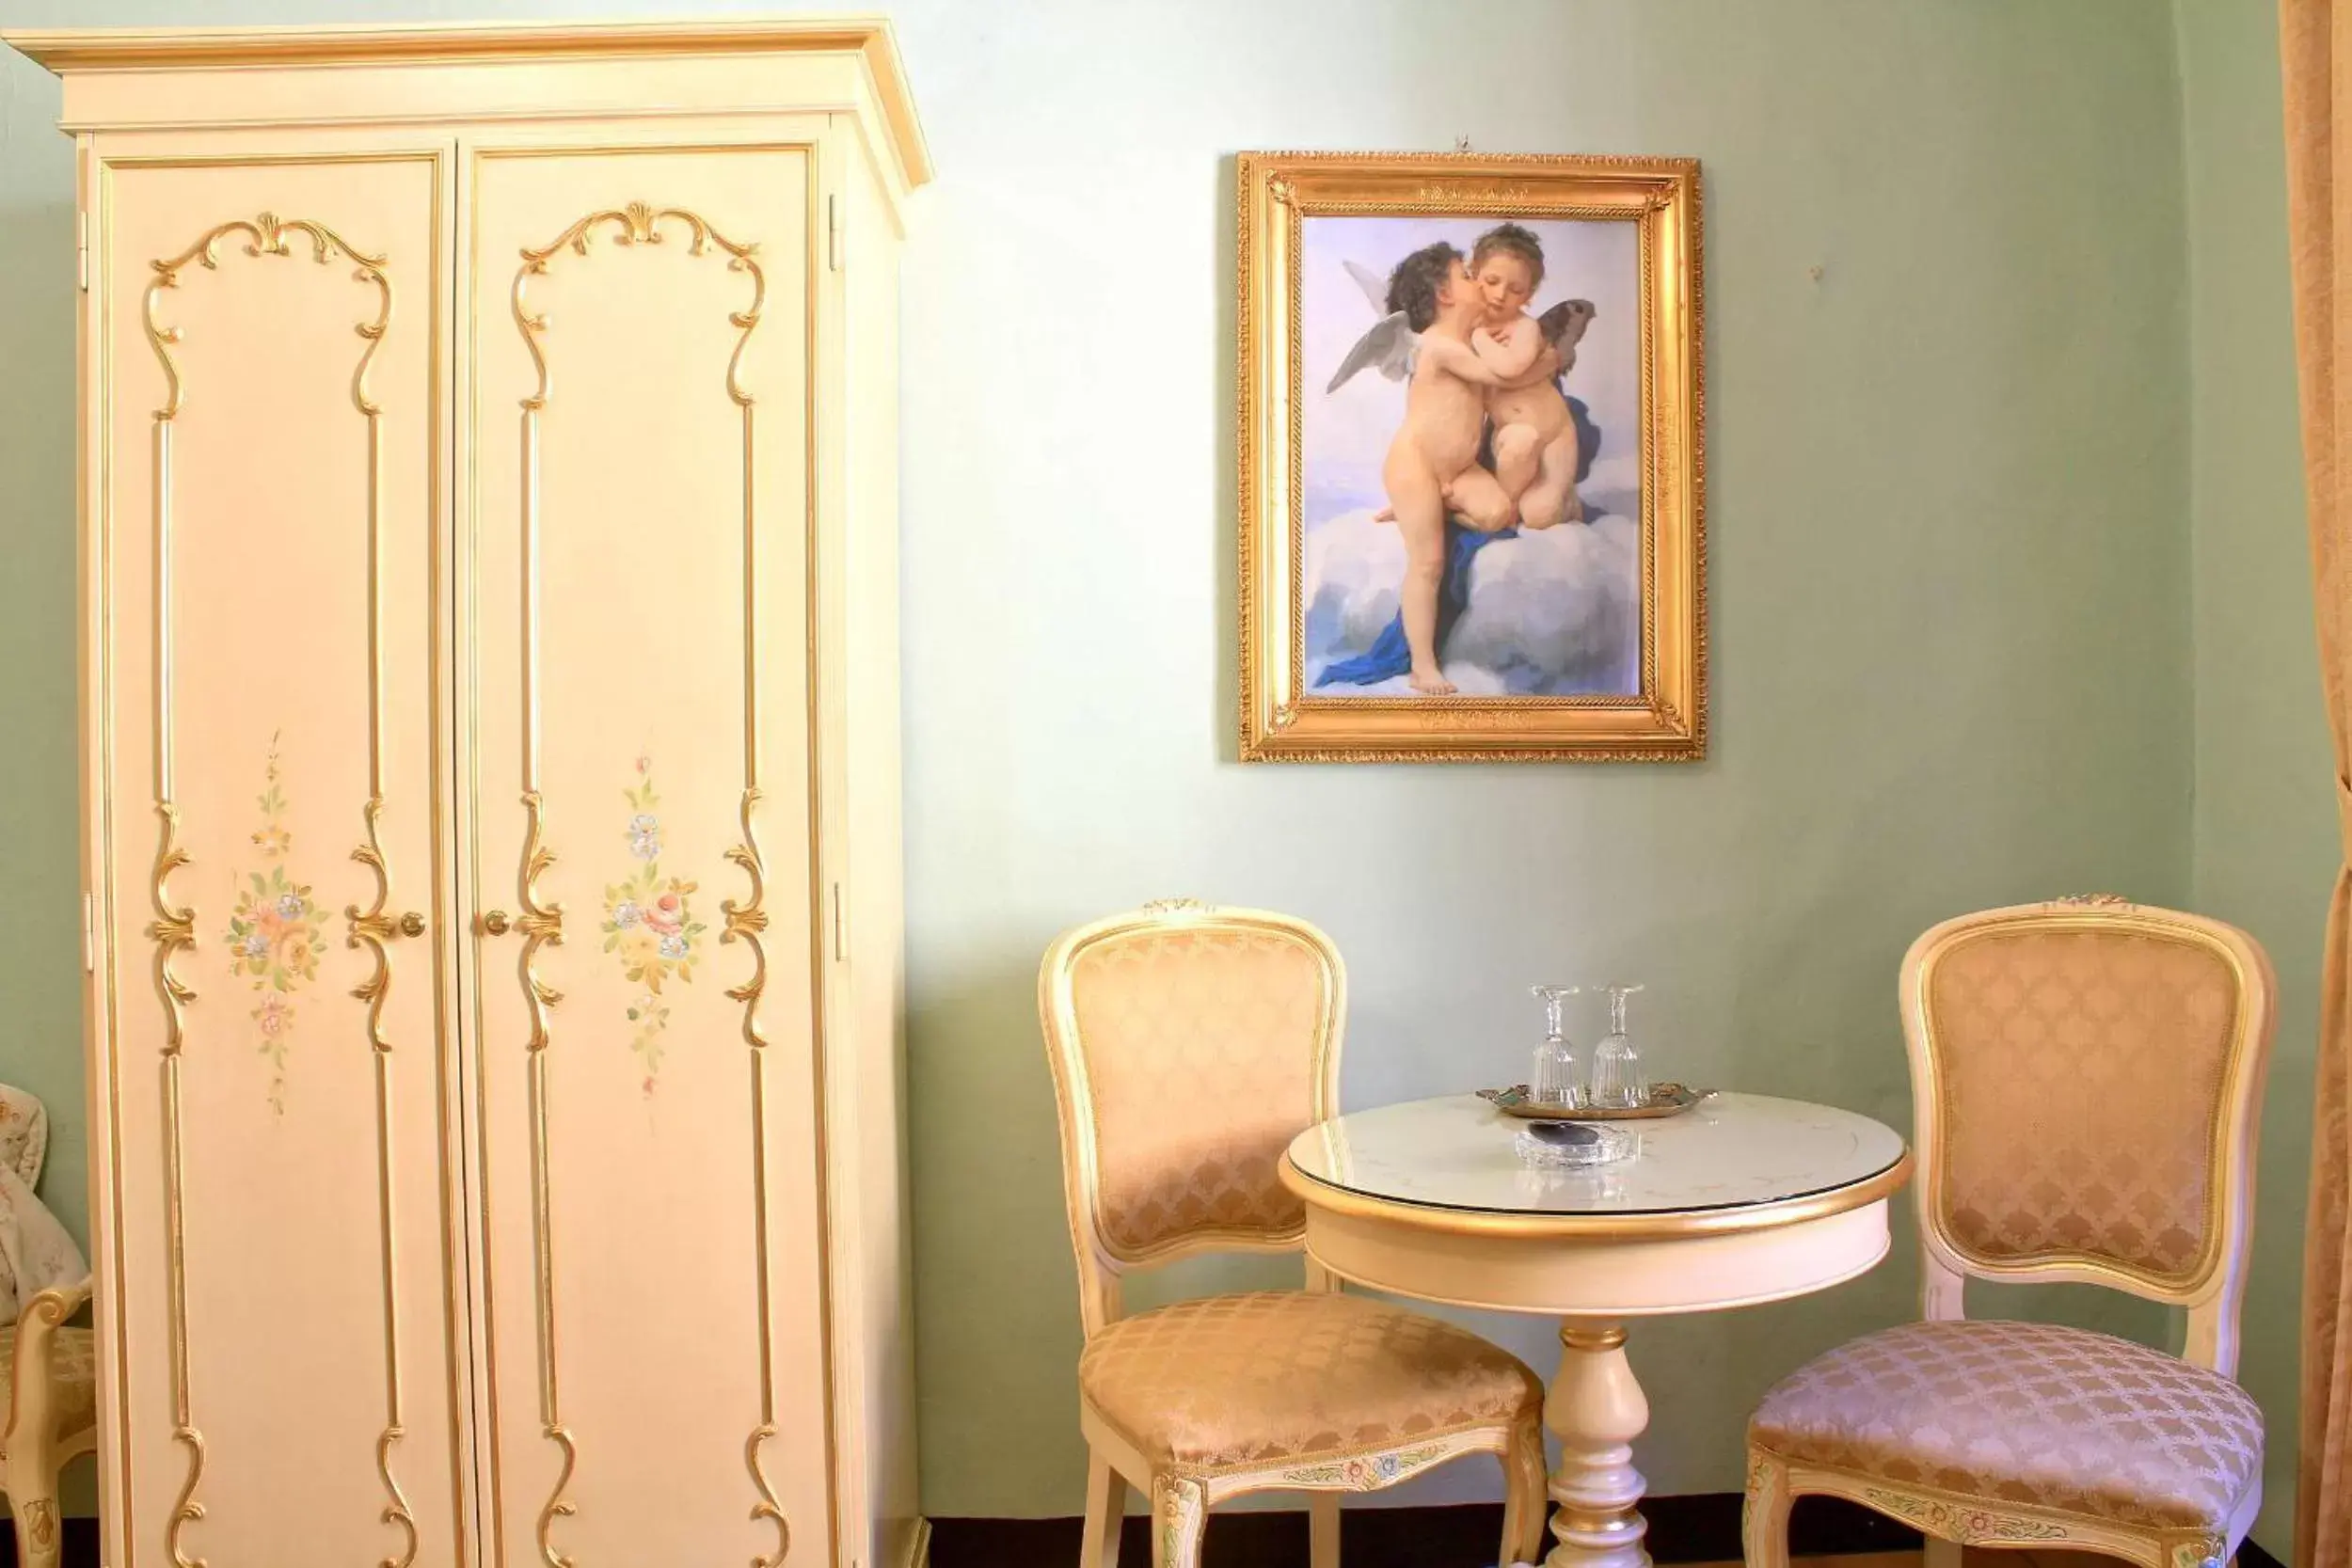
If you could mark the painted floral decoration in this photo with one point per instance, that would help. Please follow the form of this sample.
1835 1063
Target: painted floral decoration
276 933
649 923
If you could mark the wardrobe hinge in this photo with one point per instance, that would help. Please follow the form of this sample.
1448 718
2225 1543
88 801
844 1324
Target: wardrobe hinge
81 248
90 935
833 232
840 936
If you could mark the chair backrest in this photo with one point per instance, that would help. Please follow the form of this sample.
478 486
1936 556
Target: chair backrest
1189 1046
2087 1083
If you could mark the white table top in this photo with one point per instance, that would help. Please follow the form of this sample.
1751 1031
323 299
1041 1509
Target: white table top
1733 1150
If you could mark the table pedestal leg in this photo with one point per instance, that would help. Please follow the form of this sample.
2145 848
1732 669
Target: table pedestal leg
1595 1409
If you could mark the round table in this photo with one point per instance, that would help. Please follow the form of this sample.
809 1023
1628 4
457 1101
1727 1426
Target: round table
1745 1199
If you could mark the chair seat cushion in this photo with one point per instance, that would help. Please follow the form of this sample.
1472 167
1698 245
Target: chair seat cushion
1249 1380
2025 1414
74 1367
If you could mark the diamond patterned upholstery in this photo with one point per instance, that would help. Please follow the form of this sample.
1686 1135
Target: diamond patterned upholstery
1247 1380
2057 1138
1189 1046
2029 1414
73 1370
2087 1078
1200 1046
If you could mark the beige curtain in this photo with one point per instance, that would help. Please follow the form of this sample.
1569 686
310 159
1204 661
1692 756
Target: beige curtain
2315 45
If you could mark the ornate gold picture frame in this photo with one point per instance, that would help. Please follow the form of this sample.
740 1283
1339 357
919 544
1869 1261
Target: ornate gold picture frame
1471 459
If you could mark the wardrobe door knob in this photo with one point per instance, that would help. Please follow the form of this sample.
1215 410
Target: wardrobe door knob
494 922
412 924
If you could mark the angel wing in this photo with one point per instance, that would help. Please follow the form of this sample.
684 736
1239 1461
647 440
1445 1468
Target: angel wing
1563 324
1374 286
1390 347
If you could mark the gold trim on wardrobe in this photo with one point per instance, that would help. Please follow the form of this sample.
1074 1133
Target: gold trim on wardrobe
814 258
640 223
99 518
173 929
62 50
95 191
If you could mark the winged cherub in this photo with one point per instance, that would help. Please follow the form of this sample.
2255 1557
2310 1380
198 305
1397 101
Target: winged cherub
1432 465
1535 438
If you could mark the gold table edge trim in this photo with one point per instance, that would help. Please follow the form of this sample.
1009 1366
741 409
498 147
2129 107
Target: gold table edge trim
1664 1225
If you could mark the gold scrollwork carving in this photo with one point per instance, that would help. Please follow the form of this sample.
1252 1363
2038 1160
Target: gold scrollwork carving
768 1508
267 235
173 930
396 1511
748 919
640 223
558 1506
185 1510
542 925
372 926
1467 194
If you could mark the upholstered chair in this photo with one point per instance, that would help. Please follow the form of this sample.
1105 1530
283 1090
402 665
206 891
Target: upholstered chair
48 1372
52 1398
1189 1046
2087 1084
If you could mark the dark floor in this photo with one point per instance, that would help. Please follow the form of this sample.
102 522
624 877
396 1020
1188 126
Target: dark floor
1692 1530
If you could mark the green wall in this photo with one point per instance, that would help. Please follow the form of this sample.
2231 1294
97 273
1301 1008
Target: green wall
1950 463
1948 540
41 927
2264 820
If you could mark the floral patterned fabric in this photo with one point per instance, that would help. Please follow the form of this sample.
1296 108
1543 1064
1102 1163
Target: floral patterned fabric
35 1251
24 1134
73 1372
2027 1414
1199 1053
2058 1141
1249 1380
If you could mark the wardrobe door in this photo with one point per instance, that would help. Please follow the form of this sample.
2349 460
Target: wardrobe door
268 509
638 436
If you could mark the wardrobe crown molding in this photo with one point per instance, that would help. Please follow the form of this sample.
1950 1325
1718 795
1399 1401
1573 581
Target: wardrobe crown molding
68 50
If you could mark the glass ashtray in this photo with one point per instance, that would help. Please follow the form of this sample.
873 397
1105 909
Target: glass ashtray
1566 1145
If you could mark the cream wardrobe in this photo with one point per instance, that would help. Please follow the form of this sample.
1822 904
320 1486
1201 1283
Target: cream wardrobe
491 809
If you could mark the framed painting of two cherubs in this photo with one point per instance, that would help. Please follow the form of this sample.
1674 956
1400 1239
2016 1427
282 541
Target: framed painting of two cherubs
1471 459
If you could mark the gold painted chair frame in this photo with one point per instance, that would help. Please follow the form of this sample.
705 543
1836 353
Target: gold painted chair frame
1180 1499
2213 1289
33 1451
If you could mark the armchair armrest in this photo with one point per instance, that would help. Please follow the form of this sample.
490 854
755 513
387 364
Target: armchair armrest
31 1388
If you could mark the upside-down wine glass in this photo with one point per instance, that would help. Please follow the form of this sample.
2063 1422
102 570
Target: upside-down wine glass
1618 1083
1558 1077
